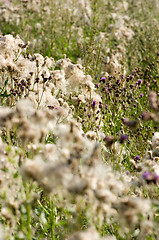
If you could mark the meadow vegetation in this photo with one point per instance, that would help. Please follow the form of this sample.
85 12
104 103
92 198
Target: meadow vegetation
79 117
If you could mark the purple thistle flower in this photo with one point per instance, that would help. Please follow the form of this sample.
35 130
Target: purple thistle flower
150 177
123 138
93 104
146 175
127 172
102 79
139 81
137 157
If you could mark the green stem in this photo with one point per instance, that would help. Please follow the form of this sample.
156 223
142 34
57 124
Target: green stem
28 210
53 219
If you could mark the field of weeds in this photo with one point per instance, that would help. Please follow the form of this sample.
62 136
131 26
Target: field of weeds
79 118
